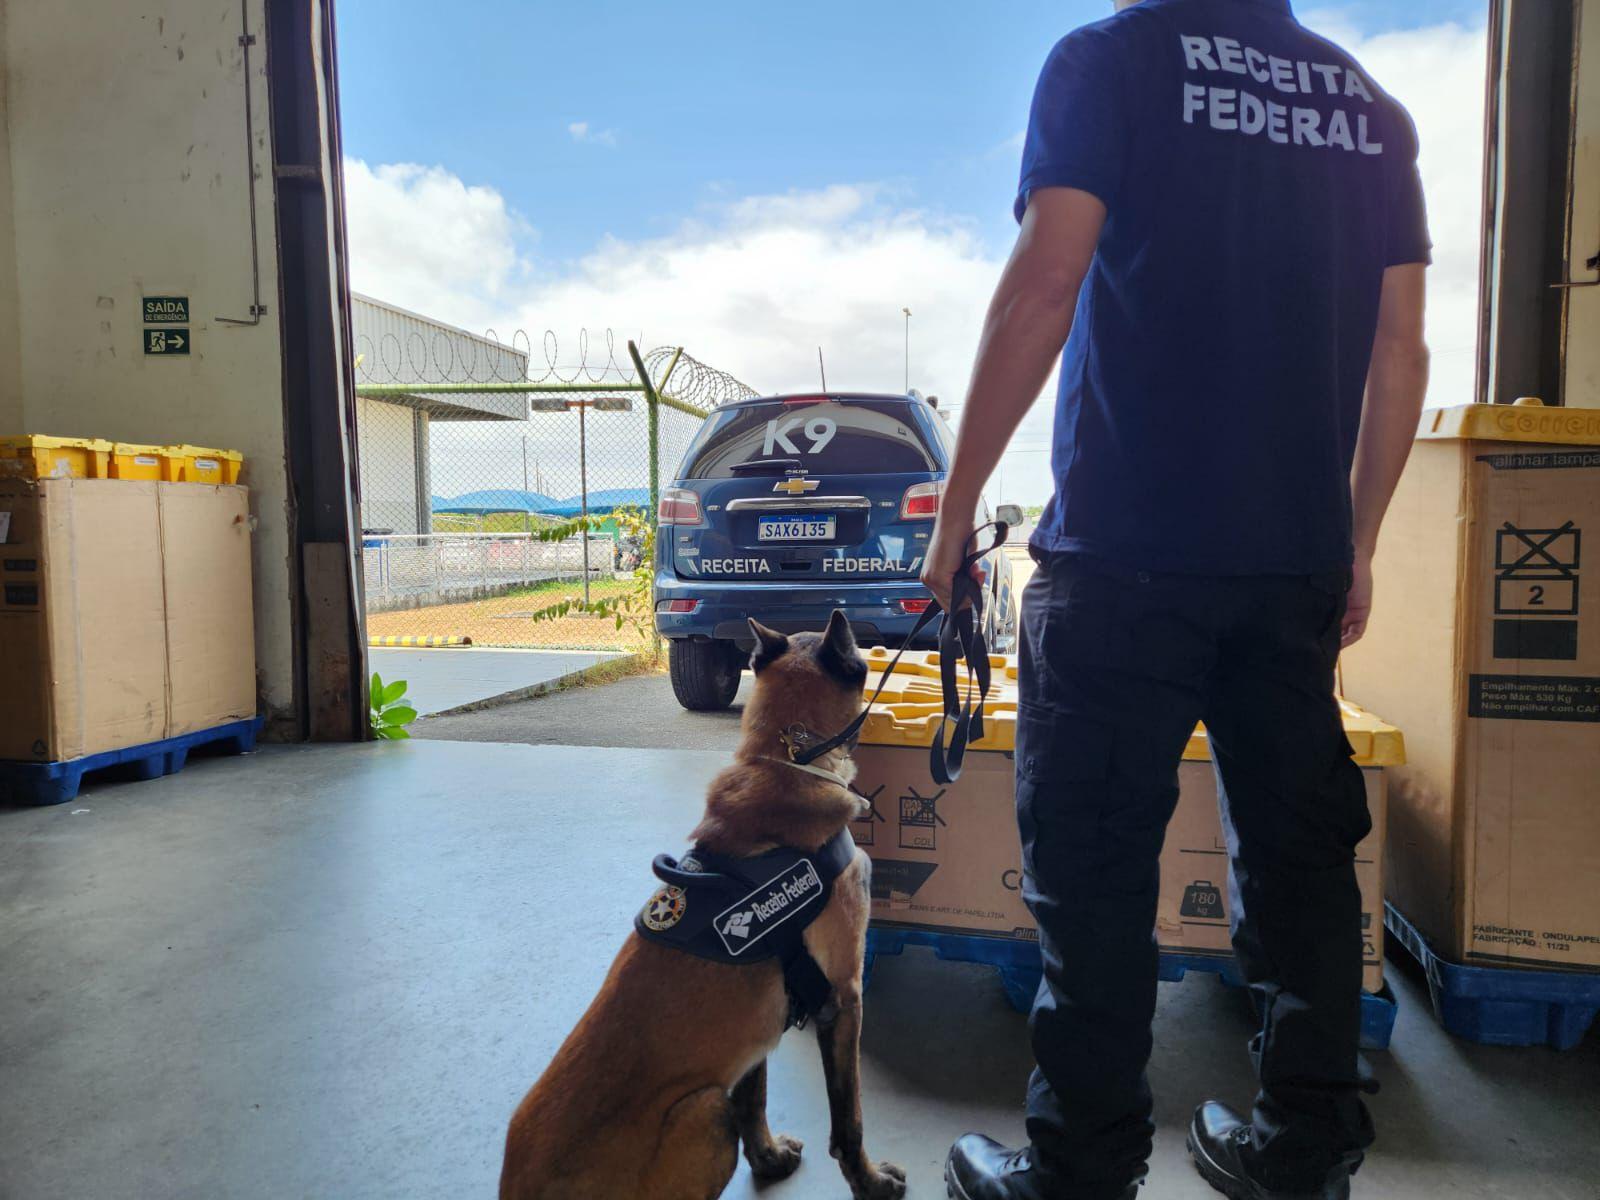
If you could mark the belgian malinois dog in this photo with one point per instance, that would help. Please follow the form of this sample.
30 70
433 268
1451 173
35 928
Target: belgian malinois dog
665 1076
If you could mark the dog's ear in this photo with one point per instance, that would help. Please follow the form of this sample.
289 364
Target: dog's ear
838 637
770 646
839 655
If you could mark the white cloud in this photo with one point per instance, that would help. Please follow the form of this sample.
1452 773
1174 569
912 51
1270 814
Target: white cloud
1438 74
422 238
582 132
755 285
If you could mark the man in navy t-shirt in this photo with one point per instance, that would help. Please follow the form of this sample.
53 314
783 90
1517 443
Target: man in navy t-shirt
1222 220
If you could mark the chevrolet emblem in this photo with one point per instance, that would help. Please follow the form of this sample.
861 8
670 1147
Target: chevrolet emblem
795 487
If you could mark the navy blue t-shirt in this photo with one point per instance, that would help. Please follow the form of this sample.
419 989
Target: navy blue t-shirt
1257 184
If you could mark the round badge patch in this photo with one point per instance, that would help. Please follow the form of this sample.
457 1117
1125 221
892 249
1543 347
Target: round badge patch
666 909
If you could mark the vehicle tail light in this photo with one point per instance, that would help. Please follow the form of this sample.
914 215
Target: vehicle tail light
921 501
679 506
915 608
806 399
678 606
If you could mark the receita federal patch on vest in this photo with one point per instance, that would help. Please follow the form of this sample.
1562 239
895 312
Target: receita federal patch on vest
786 894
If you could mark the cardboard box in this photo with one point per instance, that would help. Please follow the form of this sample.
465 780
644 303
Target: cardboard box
1193 913
1485 647
210 620
125 614
949 859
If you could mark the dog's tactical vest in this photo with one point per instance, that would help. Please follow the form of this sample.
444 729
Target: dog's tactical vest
747 910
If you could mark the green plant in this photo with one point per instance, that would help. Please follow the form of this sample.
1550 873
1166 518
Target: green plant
631 603
391 712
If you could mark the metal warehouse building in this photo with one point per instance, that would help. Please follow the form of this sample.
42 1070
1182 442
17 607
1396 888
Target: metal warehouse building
394 346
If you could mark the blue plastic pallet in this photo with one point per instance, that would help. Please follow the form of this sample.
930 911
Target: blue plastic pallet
1020 971
58 782
1017 961
1503 1006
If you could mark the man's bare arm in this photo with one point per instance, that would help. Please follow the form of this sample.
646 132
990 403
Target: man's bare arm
1397 382
1027 324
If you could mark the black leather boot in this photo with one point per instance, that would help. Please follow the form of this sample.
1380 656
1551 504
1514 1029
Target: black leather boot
1217 1139
980 1168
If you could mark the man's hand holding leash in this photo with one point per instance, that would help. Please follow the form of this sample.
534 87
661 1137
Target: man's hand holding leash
950 547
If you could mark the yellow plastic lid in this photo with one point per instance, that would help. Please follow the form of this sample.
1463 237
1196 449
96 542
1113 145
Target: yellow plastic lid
137 449
1525 421
908 713
37 441
187 451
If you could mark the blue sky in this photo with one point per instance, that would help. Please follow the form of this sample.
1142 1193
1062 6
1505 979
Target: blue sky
720 99
753 181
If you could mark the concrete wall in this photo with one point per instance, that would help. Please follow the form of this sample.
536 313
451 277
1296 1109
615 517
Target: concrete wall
124 139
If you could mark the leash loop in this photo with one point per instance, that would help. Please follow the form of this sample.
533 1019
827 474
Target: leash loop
960 638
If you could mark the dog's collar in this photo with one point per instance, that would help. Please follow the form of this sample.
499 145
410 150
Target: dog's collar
819 772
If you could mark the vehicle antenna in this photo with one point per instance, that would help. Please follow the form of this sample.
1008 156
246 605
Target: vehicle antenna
822 369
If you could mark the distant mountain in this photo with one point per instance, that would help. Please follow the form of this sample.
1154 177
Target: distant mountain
497 500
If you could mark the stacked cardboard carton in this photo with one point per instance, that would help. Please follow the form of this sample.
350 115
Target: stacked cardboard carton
1485 647
948 860
125 614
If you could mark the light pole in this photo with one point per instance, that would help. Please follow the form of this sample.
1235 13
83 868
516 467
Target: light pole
907 312
583 479
600 404
527 518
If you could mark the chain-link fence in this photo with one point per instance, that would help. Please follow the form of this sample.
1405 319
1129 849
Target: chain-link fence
507 499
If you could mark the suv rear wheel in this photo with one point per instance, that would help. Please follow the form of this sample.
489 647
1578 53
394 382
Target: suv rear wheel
705 675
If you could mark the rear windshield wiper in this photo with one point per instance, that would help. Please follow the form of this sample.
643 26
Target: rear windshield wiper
767 466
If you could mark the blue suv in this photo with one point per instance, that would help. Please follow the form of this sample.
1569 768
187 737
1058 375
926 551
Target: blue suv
788 507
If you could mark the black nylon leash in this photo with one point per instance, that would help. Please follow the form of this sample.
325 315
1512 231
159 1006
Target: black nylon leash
960 637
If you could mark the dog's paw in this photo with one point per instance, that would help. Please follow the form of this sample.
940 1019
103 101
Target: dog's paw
887 1182
778 1161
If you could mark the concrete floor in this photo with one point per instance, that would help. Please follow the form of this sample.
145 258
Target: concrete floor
332 971
450 678
638 712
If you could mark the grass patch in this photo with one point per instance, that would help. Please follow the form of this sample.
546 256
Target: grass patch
555 589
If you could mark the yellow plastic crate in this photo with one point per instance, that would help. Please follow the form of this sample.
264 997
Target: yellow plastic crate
33 456
907 714
130 460
197 464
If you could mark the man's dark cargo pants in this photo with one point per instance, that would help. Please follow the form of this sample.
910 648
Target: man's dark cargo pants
1117 666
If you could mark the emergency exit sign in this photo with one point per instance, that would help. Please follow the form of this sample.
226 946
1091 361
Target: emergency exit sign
166 341
166 310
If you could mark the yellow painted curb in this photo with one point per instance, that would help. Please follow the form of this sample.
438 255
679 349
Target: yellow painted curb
419 643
